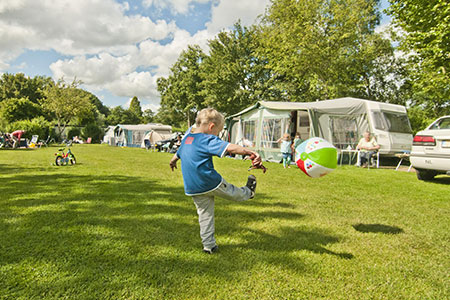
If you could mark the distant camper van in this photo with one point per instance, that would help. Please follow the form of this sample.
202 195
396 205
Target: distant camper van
340 121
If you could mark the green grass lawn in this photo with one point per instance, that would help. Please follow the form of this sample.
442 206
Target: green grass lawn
118 226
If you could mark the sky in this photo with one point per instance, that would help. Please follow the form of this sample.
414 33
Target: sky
117 48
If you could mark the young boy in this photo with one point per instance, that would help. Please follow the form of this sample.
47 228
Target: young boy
201 181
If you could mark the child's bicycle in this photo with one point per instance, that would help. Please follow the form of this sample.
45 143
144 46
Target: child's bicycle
65 158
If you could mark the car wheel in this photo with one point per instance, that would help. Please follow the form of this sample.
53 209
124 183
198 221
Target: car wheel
425 174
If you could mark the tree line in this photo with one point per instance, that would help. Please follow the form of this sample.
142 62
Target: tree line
312 50
44 107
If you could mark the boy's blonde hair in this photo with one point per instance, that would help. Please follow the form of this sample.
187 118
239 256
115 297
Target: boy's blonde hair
209 115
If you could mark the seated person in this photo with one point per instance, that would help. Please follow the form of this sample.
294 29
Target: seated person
367 146
77 140
176 145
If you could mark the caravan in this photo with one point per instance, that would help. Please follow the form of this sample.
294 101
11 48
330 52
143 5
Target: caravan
340 121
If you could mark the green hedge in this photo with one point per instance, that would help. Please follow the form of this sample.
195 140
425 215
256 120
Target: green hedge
92 131
37 126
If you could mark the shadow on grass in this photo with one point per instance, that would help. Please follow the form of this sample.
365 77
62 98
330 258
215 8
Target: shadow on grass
91 232
377 228
443 179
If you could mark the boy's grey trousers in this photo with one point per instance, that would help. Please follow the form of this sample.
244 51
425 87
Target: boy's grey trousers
205 208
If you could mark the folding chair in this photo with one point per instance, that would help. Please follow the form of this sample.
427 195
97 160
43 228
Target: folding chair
33 142
47 141
375 159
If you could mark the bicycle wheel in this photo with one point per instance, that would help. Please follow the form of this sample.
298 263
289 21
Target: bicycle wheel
72 159
59 160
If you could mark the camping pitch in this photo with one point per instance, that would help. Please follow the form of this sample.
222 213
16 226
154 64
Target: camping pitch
340 121
134 135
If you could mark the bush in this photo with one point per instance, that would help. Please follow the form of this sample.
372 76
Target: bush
74 131
37 126
92 131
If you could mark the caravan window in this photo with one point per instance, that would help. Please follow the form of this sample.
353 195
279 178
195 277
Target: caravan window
397 122
392 122
378 120
344 132
249 128
272 131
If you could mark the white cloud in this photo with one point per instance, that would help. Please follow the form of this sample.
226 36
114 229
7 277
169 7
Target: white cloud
146 106
176 6
226 13
73 27
107 49
118 73
140 84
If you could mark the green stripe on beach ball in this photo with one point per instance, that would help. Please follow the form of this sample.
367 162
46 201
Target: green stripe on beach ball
326 157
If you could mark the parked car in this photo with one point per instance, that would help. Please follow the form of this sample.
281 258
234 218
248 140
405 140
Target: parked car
430 153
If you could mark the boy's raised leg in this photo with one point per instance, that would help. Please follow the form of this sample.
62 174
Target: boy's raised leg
231 192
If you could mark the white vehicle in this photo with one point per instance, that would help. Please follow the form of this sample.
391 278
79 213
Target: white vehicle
430 154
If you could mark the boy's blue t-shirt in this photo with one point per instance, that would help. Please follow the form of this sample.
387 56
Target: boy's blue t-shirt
196 152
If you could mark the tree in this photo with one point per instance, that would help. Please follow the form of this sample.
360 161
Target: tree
65 102
19 86
135 109
87 117
234 75
116 115
148 116
119 115
314 46
16 109
425 38
382 76
181 95
20 97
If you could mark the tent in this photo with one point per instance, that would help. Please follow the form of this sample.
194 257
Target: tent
340 121
155 136
108 138
133 135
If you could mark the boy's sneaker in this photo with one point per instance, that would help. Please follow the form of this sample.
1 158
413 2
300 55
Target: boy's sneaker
251 184
212 250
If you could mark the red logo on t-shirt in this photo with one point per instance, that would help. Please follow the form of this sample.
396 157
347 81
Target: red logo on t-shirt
189 140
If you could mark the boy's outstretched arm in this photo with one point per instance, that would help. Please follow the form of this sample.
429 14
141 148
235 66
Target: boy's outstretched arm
173 162
236 149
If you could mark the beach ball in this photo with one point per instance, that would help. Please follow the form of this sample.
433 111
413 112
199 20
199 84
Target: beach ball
316 157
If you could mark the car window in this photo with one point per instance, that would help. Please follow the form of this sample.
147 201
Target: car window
441 124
